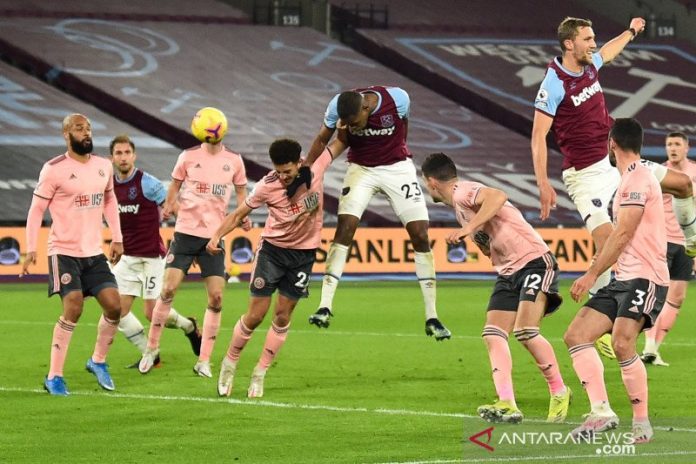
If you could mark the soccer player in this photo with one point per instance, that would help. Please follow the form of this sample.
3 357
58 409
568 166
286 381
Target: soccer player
202 180
77 189
526 289
632 302
141 268
570 103
679 263
284 258
373 122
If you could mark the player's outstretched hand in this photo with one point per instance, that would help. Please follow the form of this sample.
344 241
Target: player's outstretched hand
638 25
303 177
457 236
115 252
581 286
547 200
29 259
213 246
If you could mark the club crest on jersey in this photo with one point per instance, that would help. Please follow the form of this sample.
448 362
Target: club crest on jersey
101 172
259 282
132 192
597 202
387 120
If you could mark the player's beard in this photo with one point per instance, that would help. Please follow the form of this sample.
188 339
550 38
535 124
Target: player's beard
81 148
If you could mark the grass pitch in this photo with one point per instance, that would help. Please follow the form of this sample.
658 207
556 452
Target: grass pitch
370 389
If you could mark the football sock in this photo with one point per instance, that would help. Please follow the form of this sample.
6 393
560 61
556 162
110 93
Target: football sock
240 336
62 332
106 329
159 318
543 354
635 378
211 327
425 271
590 371
133 330
335 262
501 361
275 338
176 321
664 323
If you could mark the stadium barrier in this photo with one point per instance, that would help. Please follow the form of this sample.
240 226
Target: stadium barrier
374 251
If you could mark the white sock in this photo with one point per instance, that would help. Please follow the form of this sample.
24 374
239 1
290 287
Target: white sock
602 408
335 262
650 345
425 271
602 281
176 321
133 330
685 211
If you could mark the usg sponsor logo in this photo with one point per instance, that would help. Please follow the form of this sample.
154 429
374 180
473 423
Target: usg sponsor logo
586 94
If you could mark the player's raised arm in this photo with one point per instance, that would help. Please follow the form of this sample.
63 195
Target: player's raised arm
547 194
611 49
320 142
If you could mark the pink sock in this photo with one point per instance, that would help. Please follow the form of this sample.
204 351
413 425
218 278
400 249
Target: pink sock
211 327
501 361
665 321
590 371
62 332
105 337
240 336
159 318
274 341
543 354
635 378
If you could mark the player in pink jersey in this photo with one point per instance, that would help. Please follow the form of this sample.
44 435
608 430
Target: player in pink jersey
526 289
373 123
141 268
284 258
632 302
570 102
202 183
679 263
77 188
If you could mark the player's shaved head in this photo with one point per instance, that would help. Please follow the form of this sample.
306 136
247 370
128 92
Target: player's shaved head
71 119
569 28
439 166
349 104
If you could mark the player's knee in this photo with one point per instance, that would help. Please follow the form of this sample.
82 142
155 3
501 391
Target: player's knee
112 313
572 338
168 292
281 319
624 347
253 319
215 300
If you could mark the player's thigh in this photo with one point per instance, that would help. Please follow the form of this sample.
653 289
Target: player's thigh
153 276
97 276
298 272
537 284
129 273
359 186
400 184
590 323
504 297
504 320
267 271
183 250
592 189
212 265
641 299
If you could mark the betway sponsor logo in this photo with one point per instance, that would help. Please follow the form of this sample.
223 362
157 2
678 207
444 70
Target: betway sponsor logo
586 94
132 209
368 131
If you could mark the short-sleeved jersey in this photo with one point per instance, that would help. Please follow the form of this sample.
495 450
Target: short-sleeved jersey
512 241
645 256
76 193
208 182
674 231
575 101
295 222
139 197
383 140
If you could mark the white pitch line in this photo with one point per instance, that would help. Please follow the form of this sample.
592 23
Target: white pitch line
332 332
274 404
545 458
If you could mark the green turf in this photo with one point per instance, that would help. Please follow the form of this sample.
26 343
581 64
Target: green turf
372 388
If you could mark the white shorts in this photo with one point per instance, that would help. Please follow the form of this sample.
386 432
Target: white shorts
398 181
592 189
139 276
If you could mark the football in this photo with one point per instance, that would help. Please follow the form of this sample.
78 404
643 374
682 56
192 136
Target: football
209 125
